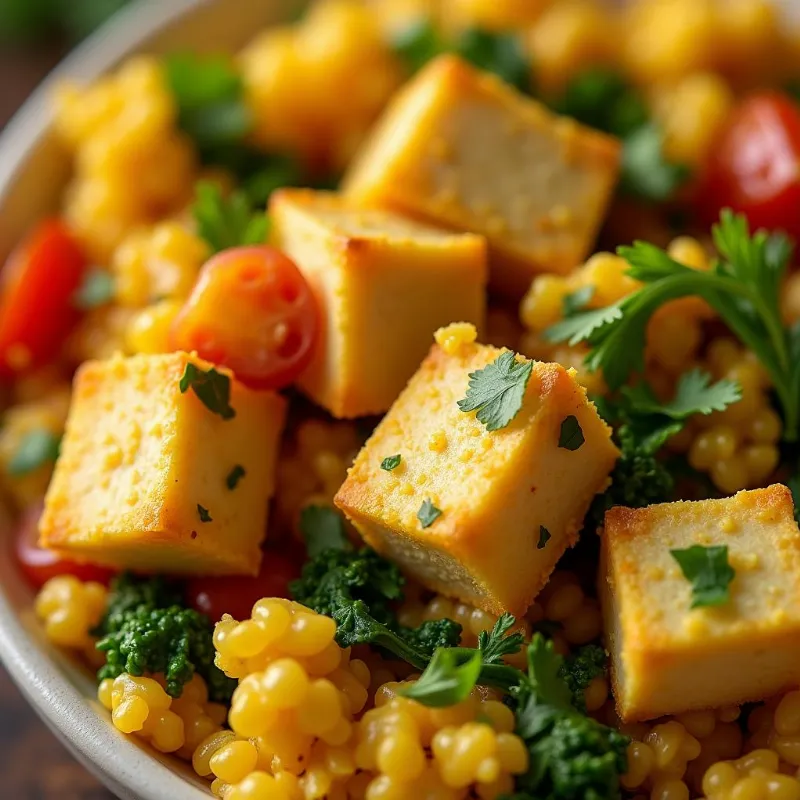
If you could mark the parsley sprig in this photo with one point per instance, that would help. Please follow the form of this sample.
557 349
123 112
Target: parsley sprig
227 221
496 392
742 287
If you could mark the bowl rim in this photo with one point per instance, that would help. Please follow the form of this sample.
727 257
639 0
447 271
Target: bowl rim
131 771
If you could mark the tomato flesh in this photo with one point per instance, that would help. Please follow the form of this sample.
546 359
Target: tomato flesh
251 310
39 281
236 595
755 166
38 564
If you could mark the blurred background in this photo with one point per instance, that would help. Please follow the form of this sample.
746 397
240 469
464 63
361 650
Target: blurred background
34 35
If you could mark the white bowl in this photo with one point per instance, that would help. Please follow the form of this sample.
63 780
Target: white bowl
33 171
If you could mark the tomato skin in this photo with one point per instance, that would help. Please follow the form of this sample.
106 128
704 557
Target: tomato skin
251 310
38 565
236 594
36 297
755 166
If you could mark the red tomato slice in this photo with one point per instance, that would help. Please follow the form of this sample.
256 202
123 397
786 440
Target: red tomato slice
36 297
236 595
250 310
38 565
755 166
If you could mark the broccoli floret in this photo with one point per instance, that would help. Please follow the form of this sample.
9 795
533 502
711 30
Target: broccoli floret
580 669
572 756
147 630
358 589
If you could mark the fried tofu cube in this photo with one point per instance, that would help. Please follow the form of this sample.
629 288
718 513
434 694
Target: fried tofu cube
150 478
460 148
667 657
511 500
383 285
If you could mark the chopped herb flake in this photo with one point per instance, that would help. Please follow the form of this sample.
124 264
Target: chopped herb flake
203 514
391 462
571 436
96 289
544 537
211 387
234 476
497 390
428 514
709 572
38 447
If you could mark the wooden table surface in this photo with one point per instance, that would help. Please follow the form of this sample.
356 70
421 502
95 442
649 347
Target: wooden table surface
34 765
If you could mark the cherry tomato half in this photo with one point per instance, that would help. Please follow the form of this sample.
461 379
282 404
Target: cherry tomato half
37 310
250 310
755 166
236 595
38 565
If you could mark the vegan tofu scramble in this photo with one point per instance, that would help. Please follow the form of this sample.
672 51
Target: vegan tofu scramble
408 405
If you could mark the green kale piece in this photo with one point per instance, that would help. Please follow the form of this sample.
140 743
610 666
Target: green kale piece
147 630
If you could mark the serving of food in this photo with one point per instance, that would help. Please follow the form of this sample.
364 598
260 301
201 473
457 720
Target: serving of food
407 405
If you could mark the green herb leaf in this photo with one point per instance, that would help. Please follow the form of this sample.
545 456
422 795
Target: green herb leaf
709 572
497 391
577 301
208 94
212 388
571 436
645 172
227 221
448 679
323 529
499 53
428 514
203 514
234 476
544 537
391 462
417 44
37 448
96 289
694 394
498 643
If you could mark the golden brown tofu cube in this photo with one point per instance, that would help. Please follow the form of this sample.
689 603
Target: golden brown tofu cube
511 500
383 285
143 480
460 148
668 657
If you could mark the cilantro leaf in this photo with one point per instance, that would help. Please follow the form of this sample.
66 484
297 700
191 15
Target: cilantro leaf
497 391
448 679
494 645
96 289
743 288
391 462
209 96
203 514
577 301
322 529
428 514
645 172
694 394
544 537
499 53
212 388
571 436
418 43
709 572
234 476
37 448
227 221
